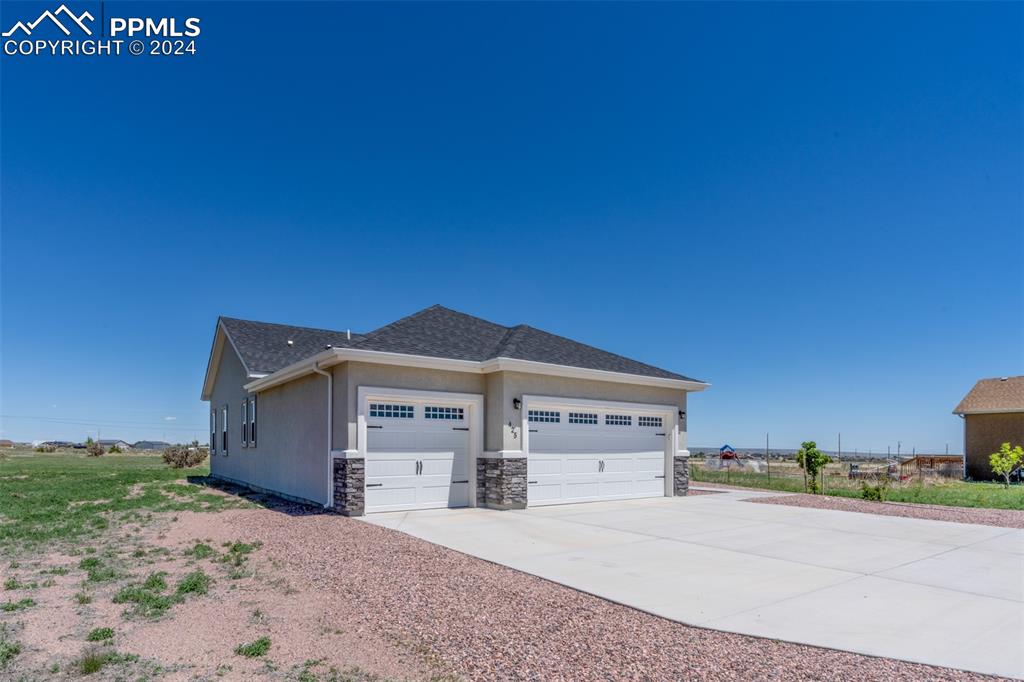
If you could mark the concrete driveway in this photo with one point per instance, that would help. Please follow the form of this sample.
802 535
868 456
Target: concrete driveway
932 592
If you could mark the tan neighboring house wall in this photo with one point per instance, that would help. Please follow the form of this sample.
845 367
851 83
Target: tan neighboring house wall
984 433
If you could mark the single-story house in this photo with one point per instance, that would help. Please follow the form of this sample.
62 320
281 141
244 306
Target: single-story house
5 443
150 445
115 442
993 414
440 409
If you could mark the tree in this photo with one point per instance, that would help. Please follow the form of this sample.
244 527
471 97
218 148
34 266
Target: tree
811 460
92 448
1006 461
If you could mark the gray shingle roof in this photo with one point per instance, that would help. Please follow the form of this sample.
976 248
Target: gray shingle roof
1005 394
433 332
264 347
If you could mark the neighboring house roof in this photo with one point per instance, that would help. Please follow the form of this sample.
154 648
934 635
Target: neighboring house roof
112 442
1004 394
150 445
435 332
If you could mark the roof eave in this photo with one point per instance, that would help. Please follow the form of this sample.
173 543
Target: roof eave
1004 410
334 356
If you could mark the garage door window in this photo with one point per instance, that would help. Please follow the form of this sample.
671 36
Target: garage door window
618 420
582 418
649 421
391 411
452 413
544 416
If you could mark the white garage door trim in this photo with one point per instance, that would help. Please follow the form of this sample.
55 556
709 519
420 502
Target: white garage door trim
669 413
472 402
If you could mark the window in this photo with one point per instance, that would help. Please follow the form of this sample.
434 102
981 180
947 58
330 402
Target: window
245 423
224 430
213 431
618 420
582 418
252 421
649 421
391 411
544 416
453 413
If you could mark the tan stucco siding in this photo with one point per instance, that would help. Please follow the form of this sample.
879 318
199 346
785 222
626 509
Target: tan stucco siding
516 384
290 456
984 433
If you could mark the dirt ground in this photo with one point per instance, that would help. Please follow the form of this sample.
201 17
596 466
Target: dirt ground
341 599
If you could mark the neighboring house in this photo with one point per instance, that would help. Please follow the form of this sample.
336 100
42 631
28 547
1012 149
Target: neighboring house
440 409
150 445
119 444
993 414
4 443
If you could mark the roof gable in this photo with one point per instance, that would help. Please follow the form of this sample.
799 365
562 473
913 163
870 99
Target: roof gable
437 332
265 347
1004 394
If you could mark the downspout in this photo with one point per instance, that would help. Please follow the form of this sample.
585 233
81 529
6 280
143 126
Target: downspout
330 433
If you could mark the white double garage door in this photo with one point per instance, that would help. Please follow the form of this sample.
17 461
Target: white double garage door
420 449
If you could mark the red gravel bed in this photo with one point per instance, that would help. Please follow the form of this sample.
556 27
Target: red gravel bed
482 621
1005 518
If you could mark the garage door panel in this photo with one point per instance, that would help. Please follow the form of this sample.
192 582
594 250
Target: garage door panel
391 465
390 497
580 490
541 465
589 464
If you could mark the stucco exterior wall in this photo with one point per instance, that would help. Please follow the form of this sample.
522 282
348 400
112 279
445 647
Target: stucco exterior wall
290 456
983 434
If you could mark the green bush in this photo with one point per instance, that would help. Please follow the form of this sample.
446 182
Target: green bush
185 456
195 582
871 492
253 649
100 634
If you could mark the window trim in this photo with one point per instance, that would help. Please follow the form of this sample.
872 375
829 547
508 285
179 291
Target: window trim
245 423
618 419
544 416
444 413
391 410
224 430
252 421
213 430
654 421
583 418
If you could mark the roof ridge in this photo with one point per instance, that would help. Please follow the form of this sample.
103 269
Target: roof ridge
373 333
292 326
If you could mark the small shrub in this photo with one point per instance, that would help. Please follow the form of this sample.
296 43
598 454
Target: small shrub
46 447
17 605
60 570
200 550
185 456
872 493
12 584
253 649
93 449
83 598
147 602
100 634
195 582
114 450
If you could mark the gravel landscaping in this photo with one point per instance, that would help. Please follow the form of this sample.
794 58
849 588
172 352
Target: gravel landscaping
480 621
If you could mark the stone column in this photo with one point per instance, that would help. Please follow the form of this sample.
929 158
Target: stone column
350 486
680 475
501 482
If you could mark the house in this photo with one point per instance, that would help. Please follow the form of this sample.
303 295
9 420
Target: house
993 414
440 409
944 466
5 443
119 444
150 445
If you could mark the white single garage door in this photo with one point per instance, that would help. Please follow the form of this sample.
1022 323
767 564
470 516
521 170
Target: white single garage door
417 455
587 454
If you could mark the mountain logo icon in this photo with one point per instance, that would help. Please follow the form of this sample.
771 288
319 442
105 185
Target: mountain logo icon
69 16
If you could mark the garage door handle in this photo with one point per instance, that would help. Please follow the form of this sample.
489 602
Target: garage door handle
531 482
419 468
374 485
466 481
662 476
371 426
659 434
460 428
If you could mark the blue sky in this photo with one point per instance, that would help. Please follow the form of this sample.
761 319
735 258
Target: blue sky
819 208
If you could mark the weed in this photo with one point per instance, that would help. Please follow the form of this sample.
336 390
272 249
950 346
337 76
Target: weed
59 570
12 584
156 582
147 602
8 650
83 598
254 649
100 634
15 565
17 605
139 553
237 551
200 550
195 582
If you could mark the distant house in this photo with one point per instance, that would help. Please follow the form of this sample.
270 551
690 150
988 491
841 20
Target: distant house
4 443
119 444
150 445
993 414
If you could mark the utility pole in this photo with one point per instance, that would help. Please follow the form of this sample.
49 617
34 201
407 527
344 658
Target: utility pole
839 452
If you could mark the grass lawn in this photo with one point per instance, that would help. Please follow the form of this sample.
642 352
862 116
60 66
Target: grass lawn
948 493
52 497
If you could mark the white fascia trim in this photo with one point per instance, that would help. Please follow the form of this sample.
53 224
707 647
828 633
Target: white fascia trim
336 355
532 367
557 401
211 370
345 454
502 454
